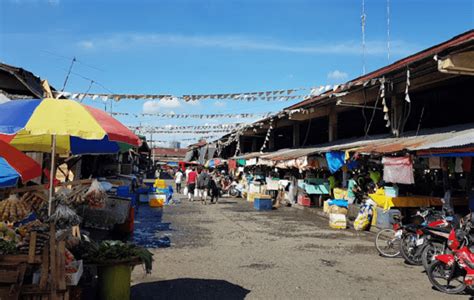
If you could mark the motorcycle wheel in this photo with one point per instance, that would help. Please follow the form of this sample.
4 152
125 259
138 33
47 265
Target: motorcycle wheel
408 249
387 244
233 192
447 279
429 252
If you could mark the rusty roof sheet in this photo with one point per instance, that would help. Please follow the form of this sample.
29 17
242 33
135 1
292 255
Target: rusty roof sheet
440 138
249 155
287 154
445 139
402 63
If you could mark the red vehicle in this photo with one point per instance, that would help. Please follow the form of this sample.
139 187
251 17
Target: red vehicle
452 272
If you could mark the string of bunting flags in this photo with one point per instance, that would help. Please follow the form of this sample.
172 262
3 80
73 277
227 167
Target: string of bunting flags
183 127
184 131
272 95
195 116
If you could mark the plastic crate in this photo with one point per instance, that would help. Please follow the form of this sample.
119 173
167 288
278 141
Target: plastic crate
304 200
124 191
391 191
385 219
262 204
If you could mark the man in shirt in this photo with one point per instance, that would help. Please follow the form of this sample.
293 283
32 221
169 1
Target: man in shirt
178 178
203 185
191 182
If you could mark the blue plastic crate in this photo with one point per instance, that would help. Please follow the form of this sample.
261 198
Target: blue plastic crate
124 191
262 204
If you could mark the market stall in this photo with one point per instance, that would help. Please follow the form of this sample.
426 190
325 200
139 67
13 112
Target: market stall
57 219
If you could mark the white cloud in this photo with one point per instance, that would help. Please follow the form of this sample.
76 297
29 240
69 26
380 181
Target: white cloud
337 75
157 106
86 44
220 103
126 41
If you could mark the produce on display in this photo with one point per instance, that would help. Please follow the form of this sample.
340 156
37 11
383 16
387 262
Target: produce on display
116 251
7 247
35 200
64 217
7 233
96 195
13 210
77 196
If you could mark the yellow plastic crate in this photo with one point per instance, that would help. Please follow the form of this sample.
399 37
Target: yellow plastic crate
159 184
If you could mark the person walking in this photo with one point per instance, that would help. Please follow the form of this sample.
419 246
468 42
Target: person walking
203 185
178 178
191 183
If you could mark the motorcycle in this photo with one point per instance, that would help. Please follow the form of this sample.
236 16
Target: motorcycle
416 238
452 273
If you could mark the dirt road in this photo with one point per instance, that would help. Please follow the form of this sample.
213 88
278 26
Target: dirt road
230 251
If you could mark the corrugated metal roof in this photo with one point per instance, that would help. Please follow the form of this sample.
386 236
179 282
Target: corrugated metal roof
287 154
402 63
440 138
249 155
445 139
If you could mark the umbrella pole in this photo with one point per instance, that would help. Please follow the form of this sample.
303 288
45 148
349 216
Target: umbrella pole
52 174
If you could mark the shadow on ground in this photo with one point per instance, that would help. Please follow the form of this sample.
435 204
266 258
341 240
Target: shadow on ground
188 288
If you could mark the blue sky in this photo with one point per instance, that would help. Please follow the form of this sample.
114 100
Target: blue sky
215 46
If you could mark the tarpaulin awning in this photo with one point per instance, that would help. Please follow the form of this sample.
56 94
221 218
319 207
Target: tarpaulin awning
14 165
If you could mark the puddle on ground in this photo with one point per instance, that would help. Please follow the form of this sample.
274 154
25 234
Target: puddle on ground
148 228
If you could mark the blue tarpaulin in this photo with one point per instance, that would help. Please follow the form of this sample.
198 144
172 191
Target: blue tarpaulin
8 175
335 160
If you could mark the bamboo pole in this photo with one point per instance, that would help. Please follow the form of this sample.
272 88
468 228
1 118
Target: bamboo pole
52 174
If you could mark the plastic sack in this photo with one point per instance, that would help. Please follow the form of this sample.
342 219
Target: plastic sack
338 202
334 209
96 195
64 217
185 190
364 218
337 221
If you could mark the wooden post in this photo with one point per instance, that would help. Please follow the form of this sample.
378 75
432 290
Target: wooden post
332 124
61 265
254 145
52 261
296 135
32 248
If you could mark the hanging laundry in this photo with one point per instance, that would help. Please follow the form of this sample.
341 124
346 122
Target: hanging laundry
232 164
458 165
467 164
335 160
398 170
434 162
322 163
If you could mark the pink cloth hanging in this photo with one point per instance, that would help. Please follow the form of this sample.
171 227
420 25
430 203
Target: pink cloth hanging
398 170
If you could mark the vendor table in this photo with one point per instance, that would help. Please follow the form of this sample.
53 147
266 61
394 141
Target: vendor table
387 202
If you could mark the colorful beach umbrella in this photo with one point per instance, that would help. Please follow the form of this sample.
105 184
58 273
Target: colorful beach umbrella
15 165
61 126
79 129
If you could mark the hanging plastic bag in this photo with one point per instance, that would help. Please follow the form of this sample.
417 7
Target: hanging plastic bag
96 195
64 217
